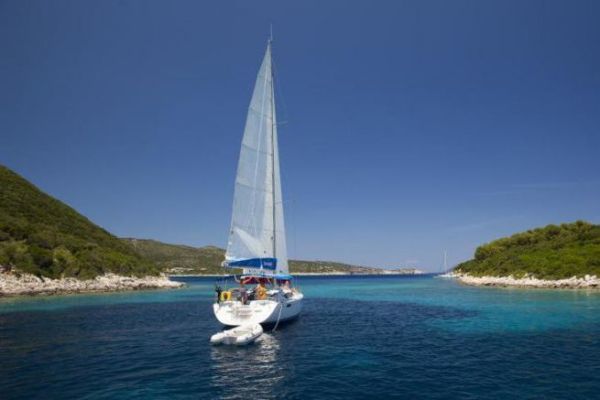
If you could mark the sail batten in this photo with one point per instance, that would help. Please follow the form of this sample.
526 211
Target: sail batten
257 233
260 112
250 147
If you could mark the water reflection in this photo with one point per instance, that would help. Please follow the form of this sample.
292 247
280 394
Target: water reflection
249 371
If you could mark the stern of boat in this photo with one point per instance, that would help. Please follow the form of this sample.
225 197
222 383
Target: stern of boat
234 313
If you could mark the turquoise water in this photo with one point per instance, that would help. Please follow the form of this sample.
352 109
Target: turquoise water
358 337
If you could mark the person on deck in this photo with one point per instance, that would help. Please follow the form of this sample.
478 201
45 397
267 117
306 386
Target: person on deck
261 291
286 289
219 290
243 293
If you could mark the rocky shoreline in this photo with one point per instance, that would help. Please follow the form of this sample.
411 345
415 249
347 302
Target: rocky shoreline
12 284
587 282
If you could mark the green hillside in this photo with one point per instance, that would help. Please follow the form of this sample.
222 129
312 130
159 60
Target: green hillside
45 237
552 252
179 259
302 266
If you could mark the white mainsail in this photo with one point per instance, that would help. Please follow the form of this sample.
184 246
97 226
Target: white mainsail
257 235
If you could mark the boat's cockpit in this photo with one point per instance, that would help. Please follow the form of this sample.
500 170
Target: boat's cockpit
252 288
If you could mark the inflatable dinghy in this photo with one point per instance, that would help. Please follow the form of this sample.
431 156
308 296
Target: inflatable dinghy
238 336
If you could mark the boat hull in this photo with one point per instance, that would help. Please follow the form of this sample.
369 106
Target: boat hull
238 336
265 312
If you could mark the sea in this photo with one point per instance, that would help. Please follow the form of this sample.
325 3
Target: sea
358 337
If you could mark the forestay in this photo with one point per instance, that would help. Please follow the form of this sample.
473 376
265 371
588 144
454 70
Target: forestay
257 235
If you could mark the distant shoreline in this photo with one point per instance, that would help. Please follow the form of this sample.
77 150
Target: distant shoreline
307 274
29 285
587 282
21 284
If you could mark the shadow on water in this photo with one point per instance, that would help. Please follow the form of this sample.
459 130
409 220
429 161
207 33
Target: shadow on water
281 326
247 372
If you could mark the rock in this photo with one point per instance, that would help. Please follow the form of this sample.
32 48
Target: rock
27 284
587 282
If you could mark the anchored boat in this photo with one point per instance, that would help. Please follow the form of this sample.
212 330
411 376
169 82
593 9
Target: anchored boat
264 293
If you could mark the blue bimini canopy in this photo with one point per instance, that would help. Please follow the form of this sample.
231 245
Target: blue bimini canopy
260 263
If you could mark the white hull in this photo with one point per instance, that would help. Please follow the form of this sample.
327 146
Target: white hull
234 313
239 336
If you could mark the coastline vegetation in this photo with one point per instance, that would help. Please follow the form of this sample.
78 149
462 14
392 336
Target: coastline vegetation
551 252
42 236
181 259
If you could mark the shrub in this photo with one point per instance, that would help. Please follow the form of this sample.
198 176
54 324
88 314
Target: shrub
551 252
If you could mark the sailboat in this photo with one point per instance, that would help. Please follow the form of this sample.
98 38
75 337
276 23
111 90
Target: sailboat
256 244
445 273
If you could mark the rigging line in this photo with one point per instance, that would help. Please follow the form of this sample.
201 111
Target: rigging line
273 127
278 317
279 92
294 228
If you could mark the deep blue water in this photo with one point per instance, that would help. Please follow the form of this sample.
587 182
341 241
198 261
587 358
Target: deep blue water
358 337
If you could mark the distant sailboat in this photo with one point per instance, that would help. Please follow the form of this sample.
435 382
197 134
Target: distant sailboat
446 273
257 235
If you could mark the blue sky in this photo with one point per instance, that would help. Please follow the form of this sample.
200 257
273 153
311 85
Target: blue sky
410 126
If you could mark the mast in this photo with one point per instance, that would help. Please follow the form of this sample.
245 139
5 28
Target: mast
273 146
257 234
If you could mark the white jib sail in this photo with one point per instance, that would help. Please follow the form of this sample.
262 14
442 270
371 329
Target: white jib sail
257 225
